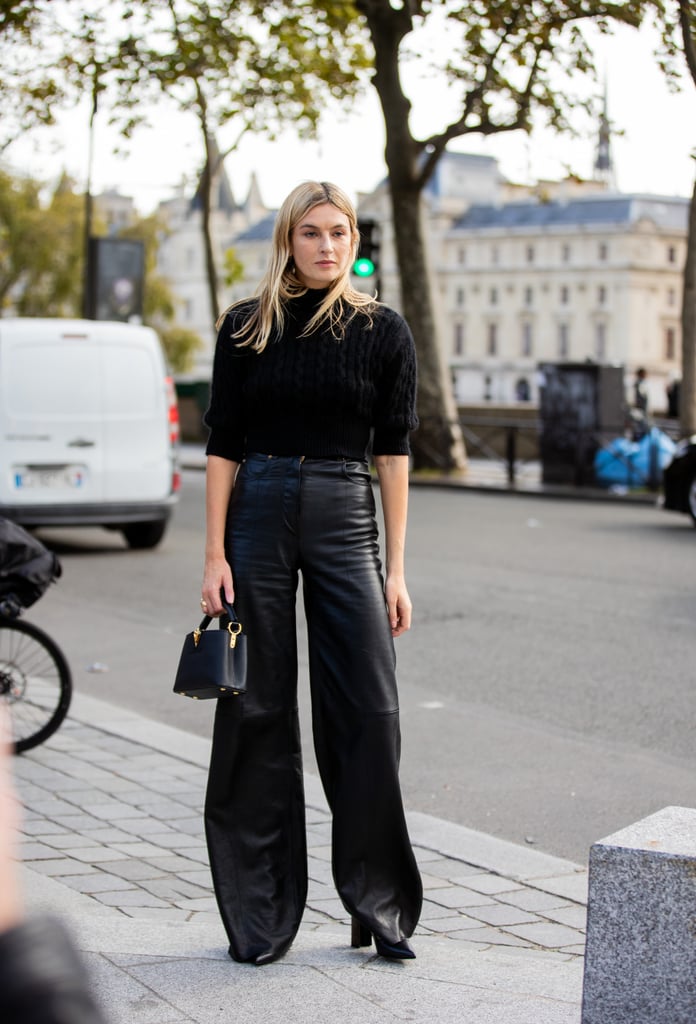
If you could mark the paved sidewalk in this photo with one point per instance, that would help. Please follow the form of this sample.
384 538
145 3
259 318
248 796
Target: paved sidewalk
113 841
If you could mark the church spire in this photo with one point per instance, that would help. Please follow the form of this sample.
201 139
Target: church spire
604 165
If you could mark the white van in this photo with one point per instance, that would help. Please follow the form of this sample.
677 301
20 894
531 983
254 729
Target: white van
89 427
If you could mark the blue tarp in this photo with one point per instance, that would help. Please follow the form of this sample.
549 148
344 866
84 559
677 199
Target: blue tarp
634 463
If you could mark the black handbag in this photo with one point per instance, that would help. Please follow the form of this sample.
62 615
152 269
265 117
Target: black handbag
213 662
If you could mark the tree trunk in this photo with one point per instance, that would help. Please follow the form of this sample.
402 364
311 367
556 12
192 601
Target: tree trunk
687 391
438 441
210 267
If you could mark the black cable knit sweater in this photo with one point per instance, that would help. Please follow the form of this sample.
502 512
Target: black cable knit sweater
317 396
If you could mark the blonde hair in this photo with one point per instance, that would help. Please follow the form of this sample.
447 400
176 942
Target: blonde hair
280 282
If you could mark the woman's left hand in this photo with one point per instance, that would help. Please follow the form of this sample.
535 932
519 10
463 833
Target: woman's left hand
398 604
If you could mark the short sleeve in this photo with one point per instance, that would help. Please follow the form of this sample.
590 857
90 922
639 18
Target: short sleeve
225 416
395 404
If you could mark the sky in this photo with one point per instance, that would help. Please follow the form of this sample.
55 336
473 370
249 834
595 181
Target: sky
652 153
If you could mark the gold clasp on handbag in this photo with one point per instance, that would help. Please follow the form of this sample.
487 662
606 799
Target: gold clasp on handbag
196 637
234 629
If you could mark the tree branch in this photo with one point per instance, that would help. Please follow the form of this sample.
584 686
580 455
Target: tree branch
685 16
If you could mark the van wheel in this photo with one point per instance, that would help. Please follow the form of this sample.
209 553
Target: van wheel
144 535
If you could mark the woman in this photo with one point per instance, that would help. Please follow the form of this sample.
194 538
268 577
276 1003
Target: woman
303 376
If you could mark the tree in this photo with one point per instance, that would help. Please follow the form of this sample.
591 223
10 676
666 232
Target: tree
677 20
41 256
29 90
160 305
505 59
246 65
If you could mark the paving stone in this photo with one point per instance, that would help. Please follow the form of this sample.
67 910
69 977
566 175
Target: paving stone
173 888
113 810
79 822
39 826
195 853
431 881
501 915
136 870
446 867
108 835
534 900
130 898
194 826
57 867
433 912
573 916
162 808
202 878
203 903
98 881
171 839
456 897
142 826
489 937
52 807
36 851
551 936
445 925
142 850
170 864
492 884
62 841
163 915
332 908
97 854
322 853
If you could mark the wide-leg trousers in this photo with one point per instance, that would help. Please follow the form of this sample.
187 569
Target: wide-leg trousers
314 517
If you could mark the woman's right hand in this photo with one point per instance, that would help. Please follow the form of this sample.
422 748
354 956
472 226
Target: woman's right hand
217 576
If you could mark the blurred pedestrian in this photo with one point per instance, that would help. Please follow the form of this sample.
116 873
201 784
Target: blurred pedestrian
640 392
306 376
42 980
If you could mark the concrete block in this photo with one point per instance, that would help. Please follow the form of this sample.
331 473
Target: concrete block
640 961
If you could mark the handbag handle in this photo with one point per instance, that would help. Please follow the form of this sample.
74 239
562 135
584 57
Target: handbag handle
229 612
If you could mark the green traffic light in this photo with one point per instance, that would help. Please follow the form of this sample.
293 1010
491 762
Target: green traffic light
363 267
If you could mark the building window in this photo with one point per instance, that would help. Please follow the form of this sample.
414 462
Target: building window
603 250
601 341
527 340
461 294
671 297
565 294
459 339
494 296
461 257
670 343
528 296
565 253
494 255
672 254
601 295
492 347
530 254
188 309
563 341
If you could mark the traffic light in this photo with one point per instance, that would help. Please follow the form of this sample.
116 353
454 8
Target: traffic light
366 265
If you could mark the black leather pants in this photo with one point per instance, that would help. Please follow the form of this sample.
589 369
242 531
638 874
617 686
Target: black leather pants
289 515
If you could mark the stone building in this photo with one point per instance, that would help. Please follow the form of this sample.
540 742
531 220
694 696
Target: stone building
594 277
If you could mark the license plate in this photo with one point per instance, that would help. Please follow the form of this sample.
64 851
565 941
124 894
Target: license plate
42 477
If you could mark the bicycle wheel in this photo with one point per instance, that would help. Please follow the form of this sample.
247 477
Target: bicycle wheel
35 682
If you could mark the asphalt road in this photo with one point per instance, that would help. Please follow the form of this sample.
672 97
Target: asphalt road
546 686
